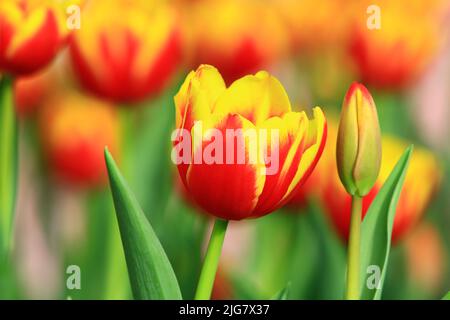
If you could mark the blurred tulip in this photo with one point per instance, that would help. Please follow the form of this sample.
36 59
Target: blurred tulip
31 32
314 25
30 91
238 37
425 254
358 149
421 182
75 130
236 190
126 51
396 53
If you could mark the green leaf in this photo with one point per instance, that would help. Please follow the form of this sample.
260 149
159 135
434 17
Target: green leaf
447 296
8 163
149 269
376 230
283 293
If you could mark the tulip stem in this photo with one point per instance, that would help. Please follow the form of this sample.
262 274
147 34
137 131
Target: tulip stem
353 258
211 262
8 162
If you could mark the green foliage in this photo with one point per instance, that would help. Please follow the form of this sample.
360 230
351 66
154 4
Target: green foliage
376 229
149 269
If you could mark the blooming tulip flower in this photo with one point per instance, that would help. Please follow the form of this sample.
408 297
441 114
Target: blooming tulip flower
234 36
234 190
75 130
394 54
31 33
421 181
126 51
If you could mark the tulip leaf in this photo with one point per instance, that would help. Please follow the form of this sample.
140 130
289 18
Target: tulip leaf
150 272
447 296
376 230
283 293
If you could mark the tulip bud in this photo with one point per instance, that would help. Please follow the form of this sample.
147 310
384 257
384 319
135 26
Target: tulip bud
358 149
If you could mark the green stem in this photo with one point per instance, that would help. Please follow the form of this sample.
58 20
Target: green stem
353 258
208 274
8 162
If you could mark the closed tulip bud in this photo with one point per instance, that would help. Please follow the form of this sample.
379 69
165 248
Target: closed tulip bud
358 149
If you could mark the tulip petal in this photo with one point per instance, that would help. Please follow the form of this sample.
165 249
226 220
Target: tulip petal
229 191
293 128
198 93
315 144
255 97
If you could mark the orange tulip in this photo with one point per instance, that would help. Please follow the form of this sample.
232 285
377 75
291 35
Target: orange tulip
395 54
75 130
31 33
420 184
314 25
238 37
126 51
227 187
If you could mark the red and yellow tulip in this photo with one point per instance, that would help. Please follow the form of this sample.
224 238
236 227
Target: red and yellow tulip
420 184
126 51
236 191
75 130
238 37
358 149
396 53
31 33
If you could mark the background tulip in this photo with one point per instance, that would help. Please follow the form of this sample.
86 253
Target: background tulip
252 102
389 57
426 257
232 36
75 129
126 51
31 34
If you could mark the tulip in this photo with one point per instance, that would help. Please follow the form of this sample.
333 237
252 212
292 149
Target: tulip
226 187
30 91
306 19
395 54
358 150
358 155
253 102
126 51
75 130
31 34
234 36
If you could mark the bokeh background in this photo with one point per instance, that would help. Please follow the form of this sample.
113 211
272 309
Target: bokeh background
112 83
